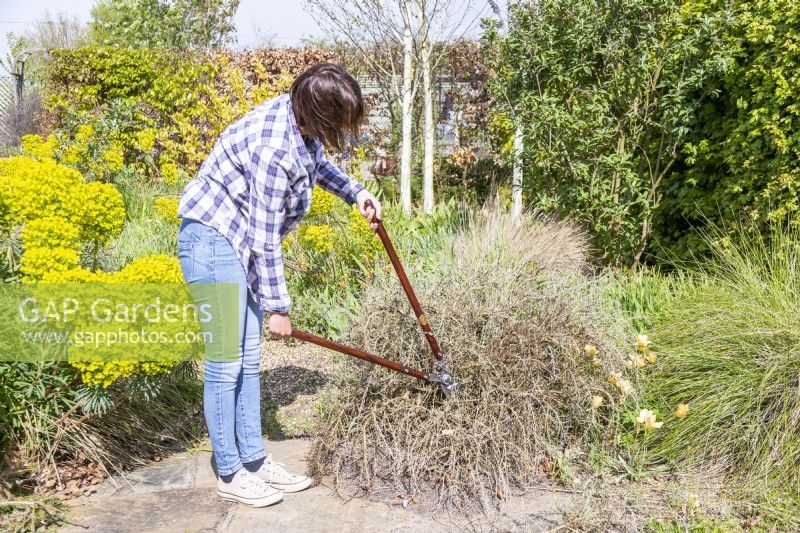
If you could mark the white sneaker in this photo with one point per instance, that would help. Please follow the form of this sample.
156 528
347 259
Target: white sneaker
278 478
248 489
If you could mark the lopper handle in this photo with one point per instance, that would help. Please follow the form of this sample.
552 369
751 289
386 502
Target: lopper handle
376 220
401 274
361 354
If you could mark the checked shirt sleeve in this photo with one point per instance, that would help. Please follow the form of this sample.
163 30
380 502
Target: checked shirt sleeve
332 179
269 183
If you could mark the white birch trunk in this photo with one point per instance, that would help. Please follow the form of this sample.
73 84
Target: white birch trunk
405 142
430 134
516 178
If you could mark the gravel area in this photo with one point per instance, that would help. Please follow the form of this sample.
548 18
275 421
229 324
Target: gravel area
296 378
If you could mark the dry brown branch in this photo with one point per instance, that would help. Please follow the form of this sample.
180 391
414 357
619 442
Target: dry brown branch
513 308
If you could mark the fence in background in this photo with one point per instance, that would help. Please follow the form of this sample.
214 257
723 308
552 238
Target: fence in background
7 101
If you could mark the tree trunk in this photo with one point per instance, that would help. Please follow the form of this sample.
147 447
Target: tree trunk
405 143
516 180
430 133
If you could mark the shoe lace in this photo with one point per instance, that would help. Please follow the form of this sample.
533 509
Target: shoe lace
253 482
271 467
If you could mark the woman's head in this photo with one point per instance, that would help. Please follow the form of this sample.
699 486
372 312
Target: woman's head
327 104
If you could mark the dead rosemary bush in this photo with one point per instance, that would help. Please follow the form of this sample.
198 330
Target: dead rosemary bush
513 307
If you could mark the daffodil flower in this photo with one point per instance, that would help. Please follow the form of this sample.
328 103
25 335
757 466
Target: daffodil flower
642 342
625 388
597 401
647 420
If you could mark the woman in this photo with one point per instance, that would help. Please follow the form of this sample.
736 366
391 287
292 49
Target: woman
249 194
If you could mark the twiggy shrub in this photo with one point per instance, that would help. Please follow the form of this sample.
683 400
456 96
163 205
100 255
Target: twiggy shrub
514 311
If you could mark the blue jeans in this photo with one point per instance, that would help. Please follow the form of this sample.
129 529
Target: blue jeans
231 393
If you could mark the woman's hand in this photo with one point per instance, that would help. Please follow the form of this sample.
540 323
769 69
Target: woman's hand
372 214
279 325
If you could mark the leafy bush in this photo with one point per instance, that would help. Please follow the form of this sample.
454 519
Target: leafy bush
742 153
56 209
116 107
159 23
728 346
605 93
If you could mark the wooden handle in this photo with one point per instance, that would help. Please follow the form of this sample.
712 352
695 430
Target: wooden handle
412 298
355 352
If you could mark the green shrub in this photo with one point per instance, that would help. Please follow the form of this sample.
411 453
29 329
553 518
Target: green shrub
729 348
741 156
605 92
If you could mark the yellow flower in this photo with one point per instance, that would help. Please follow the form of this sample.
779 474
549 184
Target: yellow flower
74 154
596 361
320 238
637 362
651 358
597 401
623 385
146 139
647 420
169 172
114 157
642 342
591 350
167 208
322 202
85 132
34 145
681 411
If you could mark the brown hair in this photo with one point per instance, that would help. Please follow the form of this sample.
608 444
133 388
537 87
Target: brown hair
327 104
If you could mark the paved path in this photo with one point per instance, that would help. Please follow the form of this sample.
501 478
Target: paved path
178 494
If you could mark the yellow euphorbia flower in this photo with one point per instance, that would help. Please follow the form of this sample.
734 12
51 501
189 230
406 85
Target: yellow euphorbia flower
681 411
84 132
322 202
320 238
146 139
651 358
591 350
114 157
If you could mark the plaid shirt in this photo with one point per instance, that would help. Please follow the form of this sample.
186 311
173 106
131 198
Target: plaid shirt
255 187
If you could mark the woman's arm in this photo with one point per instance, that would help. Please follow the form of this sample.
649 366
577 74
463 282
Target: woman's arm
335 181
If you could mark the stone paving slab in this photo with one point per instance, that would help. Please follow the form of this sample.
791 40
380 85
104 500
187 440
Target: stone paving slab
178 494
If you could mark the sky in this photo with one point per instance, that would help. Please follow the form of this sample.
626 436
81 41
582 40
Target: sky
258 22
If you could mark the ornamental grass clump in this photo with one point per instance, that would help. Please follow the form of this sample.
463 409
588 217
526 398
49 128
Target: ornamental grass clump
728 347
514 309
